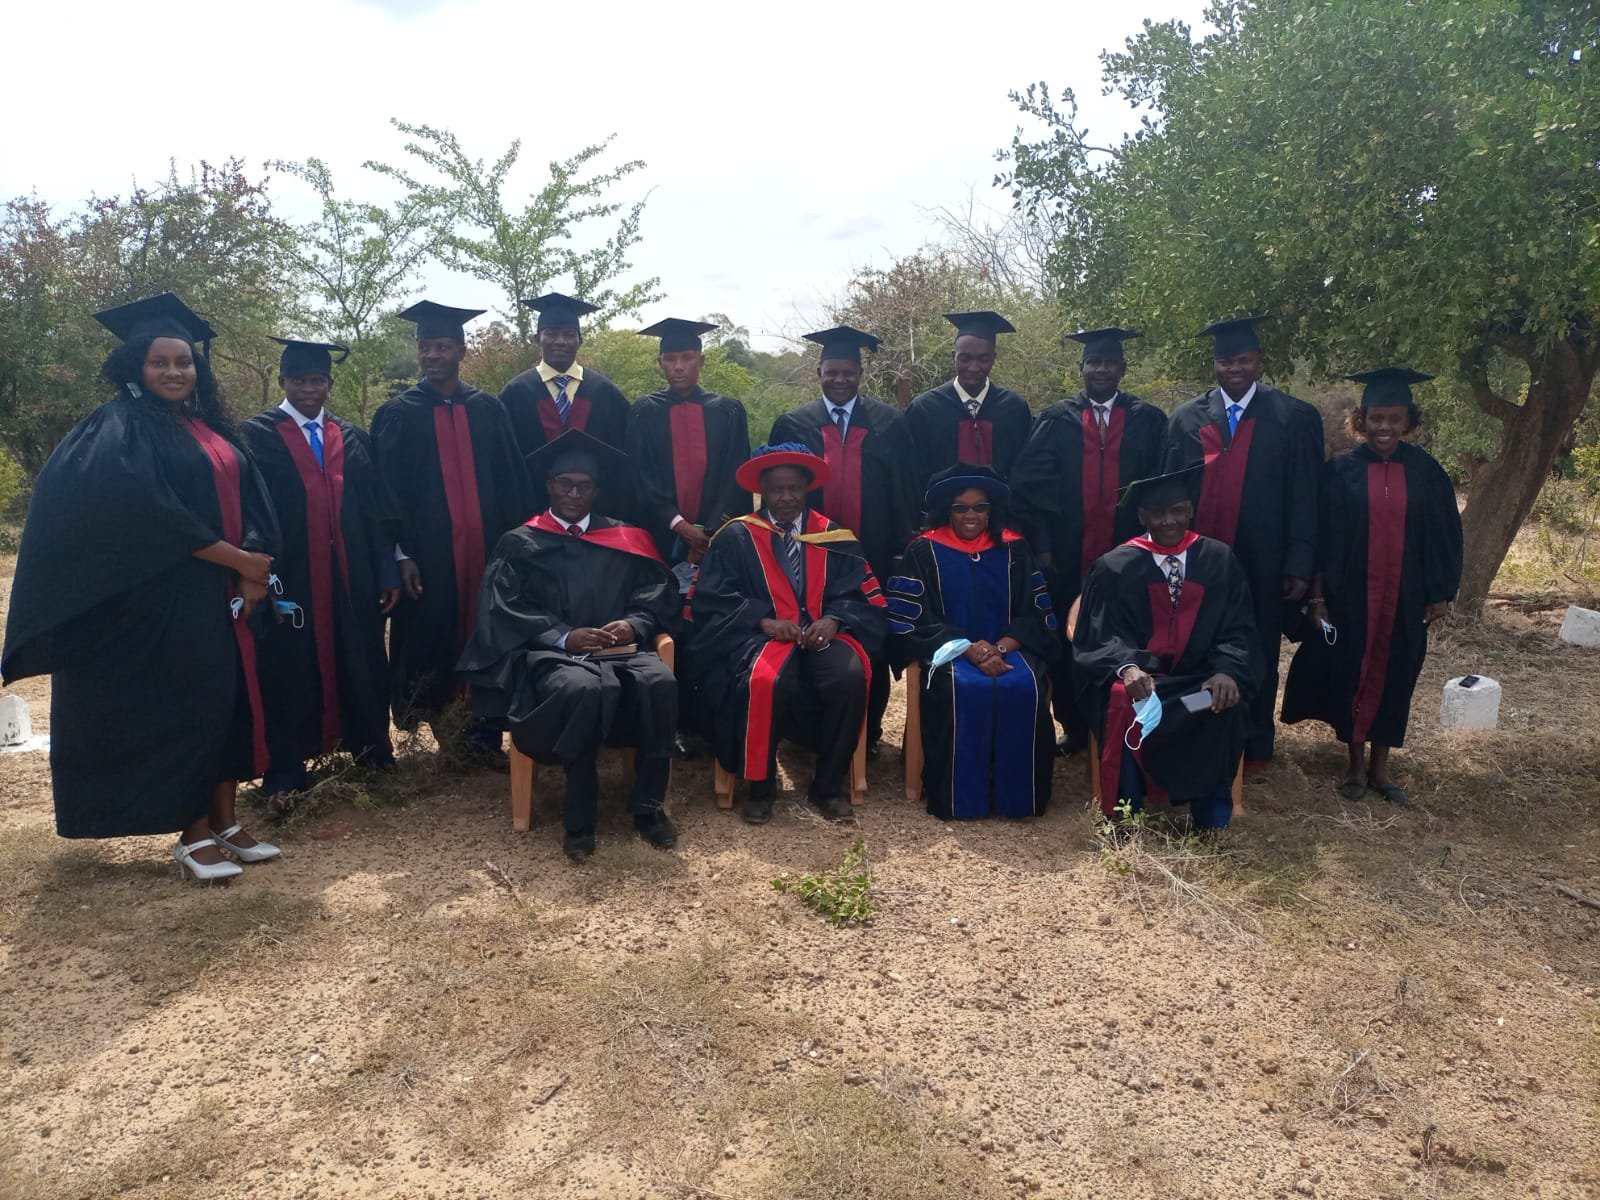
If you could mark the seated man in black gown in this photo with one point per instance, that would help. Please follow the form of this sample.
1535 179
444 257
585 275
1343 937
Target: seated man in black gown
1165 660
787 618
570 606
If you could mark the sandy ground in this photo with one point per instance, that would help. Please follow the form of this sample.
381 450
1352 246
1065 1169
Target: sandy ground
1343 1000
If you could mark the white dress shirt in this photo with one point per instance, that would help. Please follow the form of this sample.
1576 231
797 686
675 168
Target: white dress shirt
301 422
972 402
848 408
1243 401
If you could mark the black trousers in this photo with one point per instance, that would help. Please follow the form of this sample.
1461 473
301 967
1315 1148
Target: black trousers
878 699
819 701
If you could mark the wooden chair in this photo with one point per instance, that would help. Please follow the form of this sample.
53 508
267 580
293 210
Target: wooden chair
1094 742
722 781
525 771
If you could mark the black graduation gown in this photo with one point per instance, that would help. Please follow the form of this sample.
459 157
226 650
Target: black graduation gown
454 500
683 454
868 491
944 433
325 683
1258 495
988 745
539 586
738 670
150 700
598 408
1127 618
1390 545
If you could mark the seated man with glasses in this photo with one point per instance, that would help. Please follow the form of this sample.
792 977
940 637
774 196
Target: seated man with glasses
570 607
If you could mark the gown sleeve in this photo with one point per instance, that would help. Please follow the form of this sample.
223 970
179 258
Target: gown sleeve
647 443
916 623
845 600
1033 618
1107 637
514 615
1235 648
1300 519
260 521
1035 482
1441 536
651 604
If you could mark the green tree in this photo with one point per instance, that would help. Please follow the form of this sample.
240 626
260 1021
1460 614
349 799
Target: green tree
523 251
359 260
1391 182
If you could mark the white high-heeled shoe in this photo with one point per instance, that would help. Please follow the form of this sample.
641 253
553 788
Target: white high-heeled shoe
183 852
260 852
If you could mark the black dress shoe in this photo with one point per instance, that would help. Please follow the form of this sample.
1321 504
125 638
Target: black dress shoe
835 808
874 748
578 846
756 810
657 829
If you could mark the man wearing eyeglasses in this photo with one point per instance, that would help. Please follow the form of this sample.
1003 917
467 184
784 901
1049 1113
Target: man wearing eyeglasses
562 650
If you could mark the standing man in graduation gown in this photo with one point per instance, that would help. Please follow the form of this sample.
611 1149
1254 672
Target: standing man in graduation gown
1079 456
324 674
1390 555
684 445
867 447
562 652
1165 617
448 456
971 419
787 620
561 394
1261 456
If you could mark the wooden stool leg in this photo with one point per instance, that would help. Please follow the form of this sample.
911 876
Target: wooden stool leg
523 770
722 784
911 741
1238 790
1094 767
858 770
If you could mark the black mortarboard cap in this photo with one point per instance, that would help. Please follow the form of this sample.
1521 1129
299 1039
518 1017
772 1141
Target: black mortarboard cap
560 312
677 335
574 451
1159 491
440 320
844 342
1388 385
986 325
1103 343
157 316
308 358
1233 336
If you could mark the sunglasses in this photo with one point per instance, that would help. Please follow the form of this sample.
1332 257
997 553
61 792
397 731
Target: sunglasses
959 510
568 487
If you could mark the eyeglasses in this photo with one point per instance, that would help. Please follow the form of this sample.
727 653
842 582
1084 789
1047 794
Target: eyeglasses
569 488
960 510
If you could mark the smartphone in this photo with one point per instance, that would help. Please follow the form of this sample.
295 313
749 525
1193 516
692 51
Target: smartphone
1199 701
1469 681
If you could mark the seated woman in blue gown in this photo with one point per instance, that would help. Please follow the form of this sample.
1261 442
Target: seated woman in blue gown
970 605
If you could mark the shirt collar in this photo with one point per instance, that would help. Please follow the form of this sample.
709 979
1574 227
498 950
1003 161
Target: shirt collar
961 393
583 524
1093 403
848 408
799 525
1243 401
293 414
547 372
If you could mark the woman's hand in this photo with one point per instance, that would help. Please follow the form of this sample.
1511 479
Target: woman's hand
1434 611
251 592
988 658
255 568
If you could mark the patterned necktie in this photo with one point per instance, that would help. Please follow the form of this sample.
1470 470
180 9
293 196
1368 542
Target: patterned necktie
842 420
563 403
1174 578
793 547
575 530
973 406
315 436
1234 411
1102 418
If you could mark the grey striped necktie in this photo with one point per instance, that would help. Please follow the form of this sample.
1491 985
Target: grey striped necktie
794 548
1174 578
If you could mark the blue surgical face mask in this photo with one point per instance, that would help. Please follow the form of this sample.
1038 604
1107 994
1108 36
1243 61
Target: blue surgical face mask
949 652
1329 633
1147 715
236 606
275 584
288 608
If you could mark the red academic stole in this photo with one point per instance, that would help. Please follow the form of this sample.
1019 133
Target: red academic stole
1171 629
686 423
550 416
1102 473
324 488
843 493
626 538
453 431
224 462
975 441
758 731
1386 544
1222 485
946 536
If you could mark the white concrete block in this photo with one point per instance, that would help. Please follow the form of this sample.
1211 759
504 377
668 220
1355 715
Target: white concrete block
1581 626
16 726
1475 707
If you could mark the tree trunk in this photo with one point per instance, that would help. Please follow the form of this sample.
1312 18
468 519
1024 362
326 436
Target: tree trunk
1504 489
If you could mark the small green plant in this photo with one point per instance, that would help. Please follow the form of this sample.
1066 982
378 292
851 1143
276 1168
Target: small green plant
843 895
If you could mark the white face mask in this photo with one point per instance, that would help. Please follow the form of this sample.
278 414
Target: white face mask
1329 633
1146 715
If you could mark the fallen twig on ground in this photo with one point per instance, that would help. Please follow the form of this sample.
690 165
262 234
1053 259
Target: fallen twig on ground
1586 901
503 877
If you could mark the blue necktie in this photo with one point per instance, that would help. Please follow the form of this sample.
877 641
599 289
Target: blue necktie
563 404
1233 418
842 420
315 435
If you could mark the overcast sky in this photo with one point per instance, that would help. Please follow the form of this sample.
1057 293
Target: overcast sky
787 145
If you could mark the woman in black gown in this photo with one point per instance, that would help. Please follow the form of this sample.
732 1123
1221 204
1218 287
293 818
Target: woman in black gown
147 549
1390 550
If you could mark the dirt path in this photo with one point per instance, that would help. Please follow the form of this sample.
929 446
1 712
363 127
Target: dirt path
1349 1001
